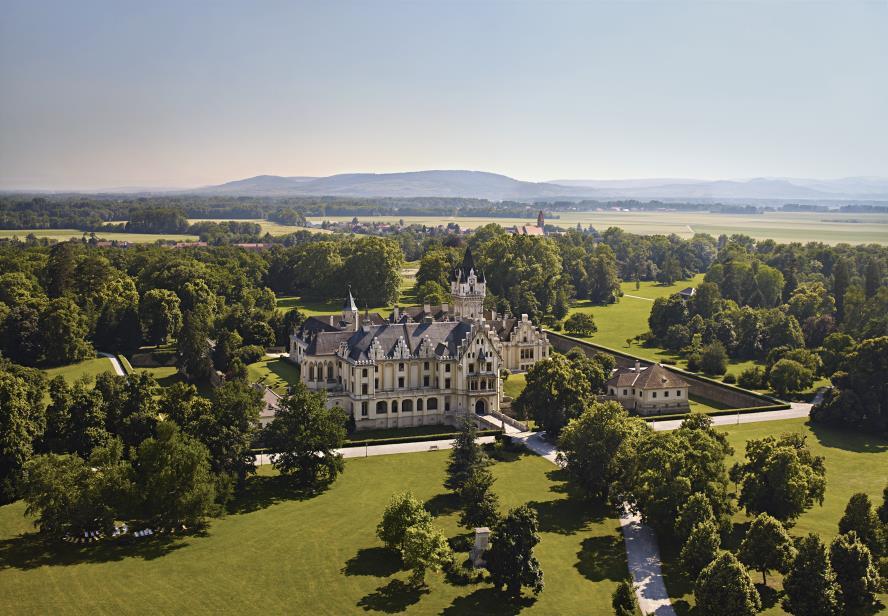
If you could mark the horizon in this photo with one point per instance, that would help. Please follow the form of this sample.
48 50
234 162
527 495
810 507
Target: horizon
101 96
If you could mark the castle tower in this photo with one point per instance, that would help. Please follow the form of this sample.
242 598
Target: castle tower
350 310
541 220
468 288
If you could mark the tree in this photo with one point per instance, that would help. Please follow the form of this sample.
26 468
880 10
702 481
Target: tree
480 505
556 392
594 447
465 456
160 315
872 277
425 548
623 600
696 510
714 358
810 585
403 511
22 422
304 437
766 546
174 478
51 486
883 508
856 571
580 324
193 346
752 378
373 268
701 548
788 375
860 518
510 560
724 588
63 331
841 281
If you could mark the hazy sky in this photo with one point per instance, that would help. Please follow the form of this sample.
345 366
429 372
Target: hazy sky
187 93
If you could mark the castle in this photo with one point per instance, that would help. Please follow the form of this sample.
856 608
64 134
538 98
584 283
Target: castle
420 366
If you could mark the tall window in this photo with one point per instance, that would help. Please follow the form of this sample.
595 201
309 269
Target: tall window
381 407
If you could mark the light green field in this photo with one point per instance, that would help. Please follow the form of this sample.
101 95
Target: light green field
66 234
830 227
267 226
854 463
515 384
88 368
280 553
274 372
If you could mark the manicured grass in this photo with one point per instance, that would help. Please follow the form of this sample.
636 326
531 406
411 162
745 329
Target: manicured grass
317 555
89 368
66 234
854 463
275 372
515 384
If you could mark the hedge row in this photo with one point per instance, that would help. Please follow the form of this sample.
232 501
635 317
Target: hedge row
715 413
394 440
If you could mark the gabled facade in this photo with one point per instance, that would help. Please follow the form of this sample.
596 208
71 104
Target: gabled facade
648 391
420 366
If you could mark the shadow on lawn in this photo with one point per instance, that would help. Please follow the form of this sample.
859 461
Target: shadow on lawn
443 504
378 562
260 492
488 601
394 597
567 516
848 440
602 558
31 550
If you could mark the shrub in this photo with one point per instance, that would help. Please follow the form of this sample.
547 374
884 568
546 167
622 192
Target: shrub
251 354
752 378
730 379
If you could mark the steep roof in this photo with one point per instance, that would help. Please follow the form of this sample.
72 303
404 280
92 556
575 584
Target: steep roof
654 377
349 304
466 267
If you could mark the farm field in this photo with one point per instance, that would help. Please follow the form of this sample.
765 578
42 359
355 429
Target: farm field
89 368
854 463
66 234
279 552
267 226
827 227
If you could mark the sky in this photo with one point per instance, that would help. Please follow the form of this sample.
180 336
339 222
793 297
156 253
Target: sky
180 94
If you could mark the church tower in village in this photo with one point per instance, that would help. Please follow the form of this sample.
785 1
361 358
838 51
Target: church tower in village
541 220
468 288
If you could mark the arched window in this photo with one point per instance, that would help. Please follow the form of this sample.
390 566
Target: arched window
381 407
394 406
407 407
419 404
330 371
432 404
311 372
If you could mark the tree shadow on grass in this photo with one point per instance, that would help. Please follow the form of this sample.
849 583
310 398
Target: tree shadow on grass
567 516
443 504
32 550
559 479
677 583
768 595
379 562
394 597
602 558
847 439
488 601
261 492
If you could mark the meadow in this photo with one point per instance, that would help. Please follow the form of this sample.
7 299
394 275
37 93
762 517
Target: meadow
279 551
62 235
89 368
854 463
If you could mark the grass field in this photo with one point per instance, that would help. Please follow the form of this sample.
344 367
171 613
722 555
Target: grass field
830 228
275 372
280 553
854 463
66 234
89 368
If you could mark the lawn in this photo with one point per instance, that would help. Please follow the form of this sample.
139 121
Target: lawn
854 463
515 384
280 553
275 372
88 368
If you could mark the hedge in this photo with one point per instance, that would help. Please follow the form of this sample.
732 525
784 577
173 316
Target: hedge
394 440
715 413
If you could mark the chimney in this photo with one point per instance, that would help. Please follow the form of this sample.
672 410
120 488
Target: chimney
637 366
397 313
427 308
331 320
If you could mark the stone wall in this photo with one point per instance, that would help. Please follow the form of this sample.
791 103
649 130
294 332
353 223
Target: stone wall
727 395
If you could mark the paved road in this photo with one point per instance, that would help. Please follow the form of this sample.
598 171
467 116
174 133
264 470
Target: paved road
118 369
647 299
798 409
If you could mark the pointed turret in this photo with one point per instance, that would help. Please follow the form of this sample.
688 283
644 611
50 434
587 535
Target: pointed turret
349 304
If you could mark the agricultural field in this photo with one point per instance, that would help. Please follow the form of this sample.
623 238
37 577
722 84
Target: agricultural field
827 227
854 463
279 551
62 235
268 226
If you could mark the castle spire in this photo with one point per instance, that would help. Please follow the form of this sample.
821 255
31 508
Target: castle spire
349 304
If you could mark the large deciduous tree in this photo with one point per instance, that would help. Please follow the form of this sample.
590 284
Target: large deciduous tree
856 571
304 437
556 392
160 315
724 588
810 585
403 511
767 546
511 560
